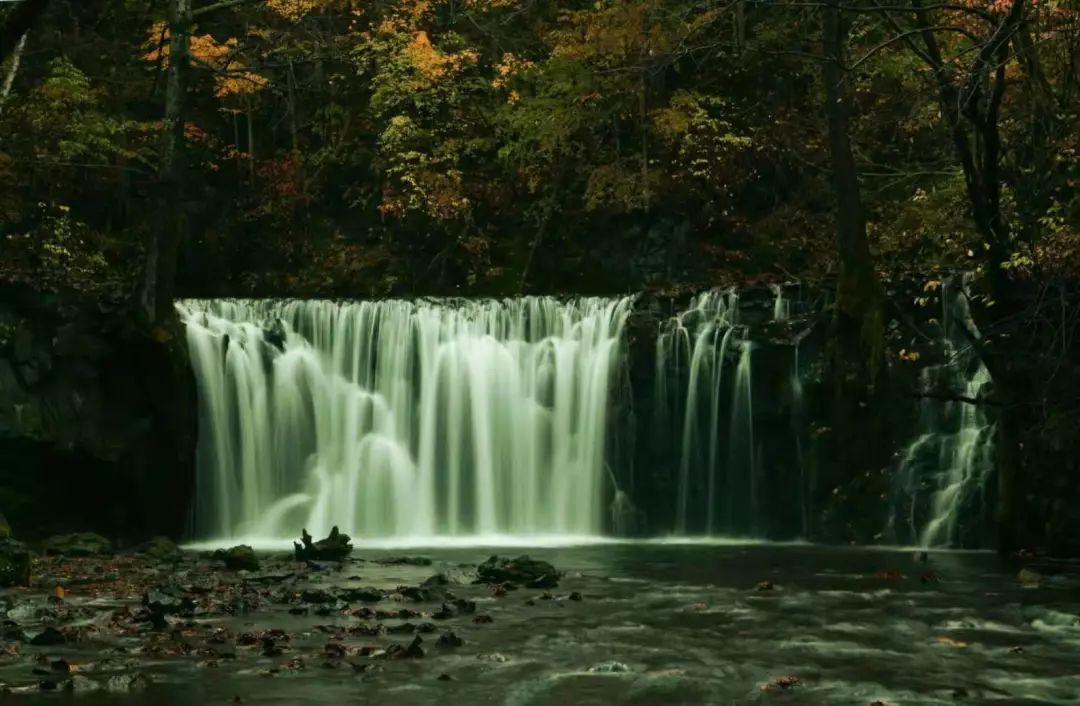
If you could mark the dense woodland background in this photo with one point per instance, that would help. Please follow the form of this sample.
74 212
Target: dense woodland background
152 148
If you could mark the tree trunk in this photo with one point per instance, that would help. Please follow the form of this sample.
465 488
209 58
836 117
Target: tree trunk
18 23
161 251
13 70
857 302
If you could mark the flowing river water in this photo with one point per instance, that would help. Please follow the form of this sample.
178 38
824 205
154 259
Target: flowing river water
658 624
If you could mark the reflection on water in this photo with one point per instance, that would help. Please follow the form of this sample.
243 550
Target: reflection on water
690 627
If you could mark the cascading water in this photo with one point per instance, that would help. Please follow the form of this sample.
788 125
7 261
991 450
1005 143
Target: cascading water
943 474
690 384
403 419
781 306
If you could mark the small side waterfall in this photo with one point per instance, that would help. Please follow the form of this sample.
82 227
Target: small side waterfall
943 474
401 419
781 306
691 383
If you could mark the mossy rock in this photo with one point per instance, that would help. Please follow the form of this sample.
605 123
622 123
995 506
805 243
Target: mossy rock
238 558
5 528
79 544
160 548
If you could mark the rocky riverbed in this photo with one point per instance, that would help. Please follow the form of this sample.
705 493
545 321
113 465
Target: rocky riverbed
630 623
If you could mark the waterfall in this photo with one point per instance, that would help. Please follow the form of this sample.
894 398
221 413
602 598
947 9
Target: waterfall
781 306
690 383
944 472
403 418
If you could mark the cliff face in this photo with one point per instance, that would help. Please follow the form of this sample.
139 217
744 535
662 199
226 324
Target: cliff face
97 419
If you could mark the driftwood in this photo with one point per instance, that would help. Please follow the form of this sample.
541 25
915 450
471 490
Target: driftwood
335 547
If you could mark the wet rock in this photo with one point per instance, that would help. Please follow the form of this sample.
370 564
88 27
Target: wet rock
14 563
765 586
426 628
334 650
270 647
575 596
446 612
412 651
449 639
126 682
316 595
960 693
930 577
464 607
532 573
483 619
169 600
365 595
402 628
335 547
238 558
48 637
331 608
1016 650
81 685
444 677
160 549
425 594
10 630
80 544
609 668
451 577
1030 579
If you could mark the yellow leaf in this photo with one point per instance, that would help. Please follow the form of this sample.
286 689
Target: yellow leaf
60 592
951 642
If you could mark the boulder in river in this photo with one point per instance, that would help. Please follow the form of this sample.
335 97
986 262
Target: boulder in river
14 563
449 639
238 558
79 544
335 547
524 570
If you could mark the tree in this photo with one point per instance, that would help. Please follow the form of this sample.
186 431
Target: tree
166 234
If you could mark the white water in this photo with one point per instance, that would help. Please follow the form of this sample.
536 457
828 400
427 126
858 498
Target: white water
691 352
401 419
945 470
781 307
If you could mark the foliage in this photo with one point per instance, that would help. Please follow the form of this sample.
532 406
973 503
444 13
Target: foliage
334 146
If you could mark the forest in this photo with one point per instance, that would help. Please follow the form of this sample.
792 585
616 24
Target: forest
456 273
